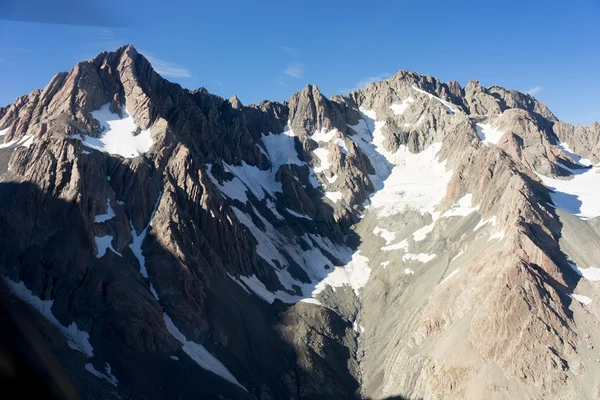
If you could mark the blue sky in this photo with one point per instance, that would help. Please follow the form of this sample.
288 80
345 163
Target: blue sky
271 49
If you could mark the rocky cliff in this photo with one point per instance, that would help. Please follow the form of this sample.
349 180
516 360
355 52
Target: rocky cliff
414 239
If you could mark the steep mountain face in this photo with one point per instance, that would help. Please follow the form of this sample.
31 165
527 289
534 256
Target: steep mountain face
414 239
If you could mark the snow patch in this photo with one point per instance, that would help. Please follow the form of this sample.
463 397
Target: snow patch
119 134
298 215
254 284
399 108
104 243
408 271
460 253
420 234
416 181
582 299
483 222
354 274
138 240
199 354
579 194
496 236
421 257
402 245
108 376
385 264
488 134
449 106
449 276
384 233
591 273
334 196
105 217
76 339
462 208
281 148
324 136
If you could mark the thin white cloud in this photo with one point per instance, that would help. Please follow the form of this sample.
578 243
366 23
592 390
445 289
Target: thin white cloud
364 82
168 69
290 51
535 90
361 84
294 70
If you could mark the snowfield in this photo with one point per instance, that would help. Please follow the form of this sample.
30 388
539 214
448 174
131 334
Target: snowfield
578 195
488 134
118 136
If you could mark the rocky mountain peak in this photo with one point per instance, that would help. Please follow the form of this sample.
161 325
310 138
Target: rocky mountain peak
402 240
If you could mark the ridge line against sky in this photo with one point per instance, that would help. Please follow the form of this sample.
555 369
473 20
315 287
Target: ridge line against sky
272 50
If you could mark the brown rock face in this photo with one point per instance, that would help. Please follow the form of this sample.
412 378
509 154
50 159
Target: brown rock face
243 254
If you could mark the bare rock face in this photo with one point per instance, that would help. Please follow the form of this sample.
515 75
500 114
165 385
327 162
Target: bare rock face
374 245
583 140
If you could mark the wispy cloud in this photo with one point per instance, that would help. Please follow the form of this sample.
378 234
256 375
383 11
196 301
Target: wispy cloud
14 49
535 90
219 83
364 82
294 70
168 69
290 51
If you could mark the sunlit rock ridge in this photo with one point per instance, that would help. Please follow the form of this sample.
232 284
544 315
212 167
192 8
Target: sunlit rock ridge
413 239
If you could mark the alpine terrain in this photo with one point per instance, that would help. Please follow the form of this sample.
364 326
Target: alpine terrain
412 240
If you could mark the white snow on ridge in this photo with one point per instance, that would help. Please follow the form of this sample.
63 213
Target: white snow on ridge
579 194
488 134
334 196
399 108
108 376
76 339
234 189
104 243
118 137
259 288
138 240
3 131
26 141
449 276
355 274
105 217
199 354
449 106
582 299
591 273
298 215
462 208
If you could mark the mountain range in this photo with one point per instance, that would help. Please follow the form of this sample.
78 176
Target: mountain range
410 240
